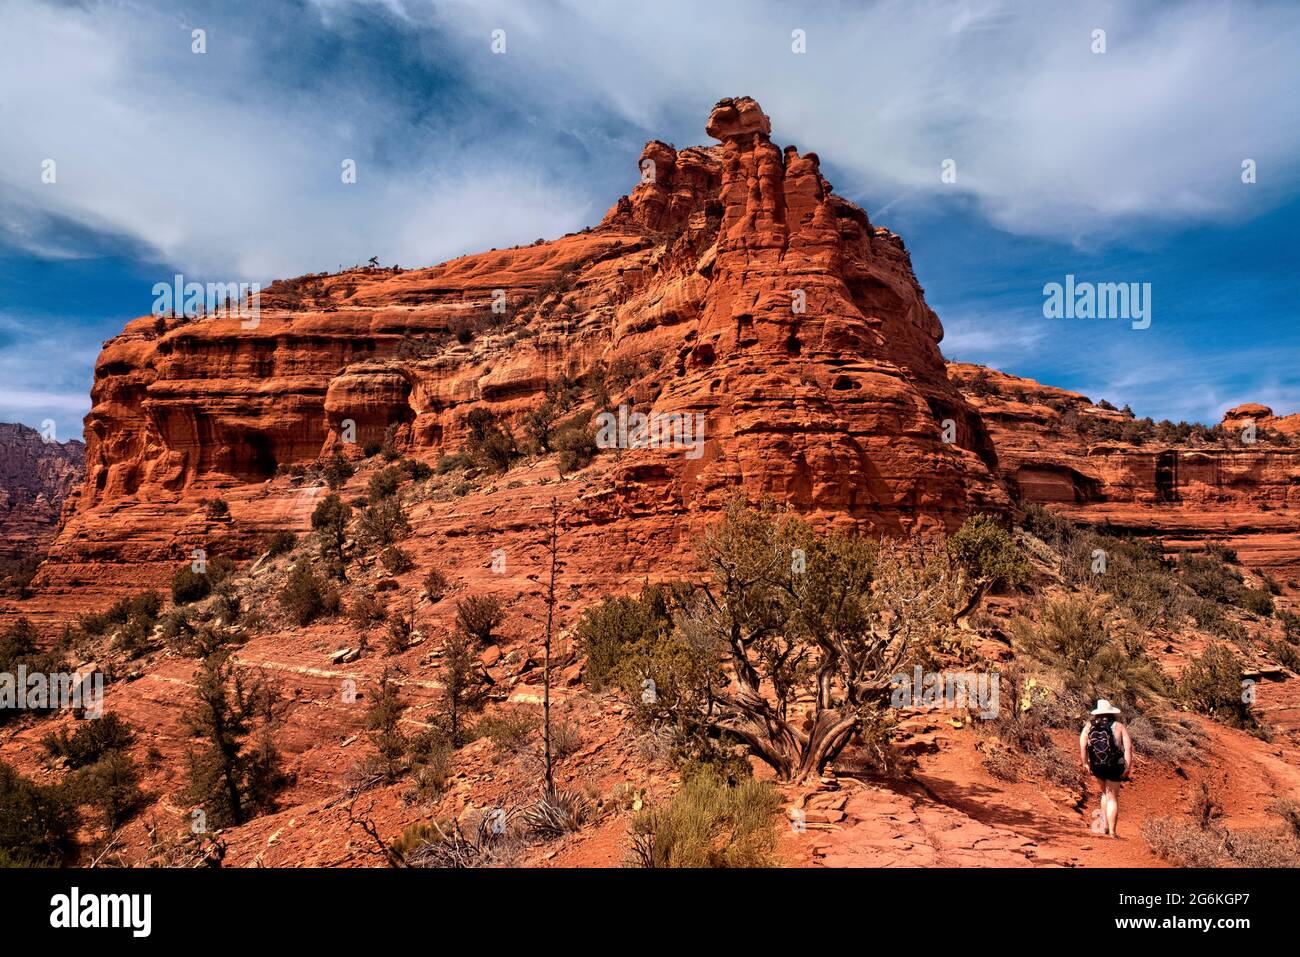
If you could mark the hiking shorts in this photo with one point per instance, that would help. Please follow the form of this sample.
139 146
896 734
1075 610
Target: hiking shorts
1108 774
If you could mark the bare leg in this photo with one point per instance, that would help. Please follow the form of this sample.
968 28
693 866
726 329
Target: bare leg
1111 806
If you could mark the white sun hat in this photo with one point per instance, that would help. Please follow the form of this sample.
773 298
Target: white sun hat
1105 707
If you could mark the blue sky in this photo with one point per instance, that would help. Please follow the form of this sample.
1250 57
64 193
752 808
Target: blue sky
1123 166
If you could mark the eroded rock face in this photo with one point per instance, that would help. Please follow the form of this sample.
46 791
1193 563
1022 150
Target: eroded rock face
36 478
1262 418
731 281
1246 494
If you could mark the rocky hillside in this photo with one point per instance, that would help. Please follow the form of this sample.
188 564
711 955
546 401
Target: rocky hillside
36 478
458 401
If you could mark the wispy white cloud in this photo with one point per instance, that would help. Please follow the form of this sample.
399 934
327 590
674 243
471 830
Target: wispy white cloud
220 172
1050 138
188 155
992 340
1174 382
43 373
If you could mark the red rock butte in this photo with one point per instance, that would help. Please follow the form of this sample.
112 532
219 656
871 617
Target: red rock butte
731 282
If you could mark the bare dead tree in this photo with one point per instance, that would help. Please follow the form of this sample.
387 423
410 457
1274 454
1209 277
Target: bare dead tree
367 825
552 548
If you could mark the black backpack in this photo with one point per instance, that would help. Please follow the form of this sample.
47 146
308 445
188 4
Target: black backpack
1103 750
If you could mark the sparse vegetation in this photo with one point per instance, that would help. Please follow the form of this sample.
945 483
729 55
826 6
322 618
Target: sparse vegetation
1211 684
435 585
306 596
709 823
384 484
336 471
383 523
489 443
38 825
1202 840
989 552
479 616
330 522
281 543
464 687
509 730
190 586
19 649
574 443
1073 639
396 560
383 724
235 771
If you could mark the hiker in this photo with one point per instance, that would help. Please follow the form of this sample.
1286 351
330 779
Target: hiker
1106 750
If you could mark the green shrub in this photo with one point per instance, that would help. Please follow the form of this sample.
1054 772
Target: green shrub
989 552
111 785
145 605
709 824
574 443
366 610
384 484
38 825
510 730
401 630
306 596
330 521
396 560
383 523
414 470
92 740
1211 684
18 649
217 510
435 585
1210 578
479 616
190 586
1256 601
281 543
234 768
607 634
538 424
388 448
1048 526
489 444
383 722
1072 639
337 471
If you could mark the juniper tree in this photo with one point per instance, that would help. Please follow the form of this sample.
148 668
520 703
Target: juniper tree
232 778
464 686
812 628
330 520
383 722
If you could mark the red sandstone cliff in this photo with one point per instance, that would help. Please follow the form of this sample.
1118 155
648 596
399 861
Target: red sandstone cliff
36 477
1097 465
732 281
